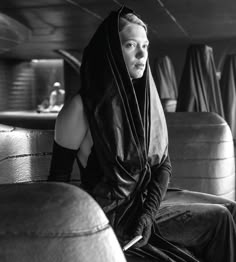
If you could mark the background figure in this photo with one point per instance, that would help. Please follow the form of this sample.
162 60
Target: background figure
57 97
165 80
228 91
43 106
199 89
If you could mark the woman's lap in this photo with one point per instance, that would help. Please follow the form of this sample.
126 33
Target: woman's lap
191 219
186 197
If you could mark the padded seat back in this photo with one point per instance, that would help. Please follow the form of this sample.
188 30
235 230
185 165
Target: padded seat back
201 149
25 155
200 144
54 222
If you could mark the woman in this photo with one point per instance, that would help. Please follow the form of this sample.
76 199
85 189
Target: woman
116 127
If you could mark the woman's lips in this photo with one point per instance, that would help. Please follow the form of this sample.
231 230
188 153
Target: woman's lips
139 66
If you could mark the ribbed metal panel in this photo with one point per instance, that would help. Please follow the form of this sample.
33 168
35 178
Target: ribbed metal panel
21 93
4 82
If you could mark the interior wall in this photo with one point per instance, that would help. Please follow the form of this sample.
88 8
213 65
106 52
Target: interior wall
16 85
4 83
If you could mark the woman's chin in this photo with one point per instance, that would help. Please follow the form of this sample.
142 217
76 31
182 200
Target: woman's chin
137 75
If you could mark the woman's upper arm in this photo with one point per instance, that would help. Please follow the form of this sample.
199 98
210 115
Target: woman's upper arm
71 124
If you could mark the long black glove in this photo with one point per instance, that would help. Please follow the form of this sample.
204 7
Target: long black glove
156 192
61 163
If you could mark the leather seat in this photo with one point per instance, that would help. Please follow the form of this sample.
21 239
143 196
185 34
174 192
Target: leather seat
54 222
201 150
50 221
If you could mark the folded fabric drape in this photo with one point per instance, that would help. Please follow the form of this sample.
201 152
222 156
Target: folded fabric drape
199 89
165 79
228 91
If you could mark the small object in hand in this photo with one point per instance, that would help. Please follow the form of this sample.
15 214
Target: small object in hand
132 242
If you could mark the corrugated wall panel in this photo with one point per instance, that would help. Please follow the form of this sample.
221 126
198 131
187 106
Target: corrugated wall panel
21 91
4 83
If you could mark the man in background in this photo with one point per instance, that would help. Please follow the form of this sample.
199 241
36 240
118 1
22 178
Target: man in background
56 98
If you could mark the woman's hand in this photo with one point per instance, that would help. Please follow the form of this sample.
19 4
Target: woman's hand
143 228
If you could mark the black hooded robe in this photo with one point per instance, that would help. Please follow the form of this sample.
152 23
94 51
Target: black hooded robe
129 136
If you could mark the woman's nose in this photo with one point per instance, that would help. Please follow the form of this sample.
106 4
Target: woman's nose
141 52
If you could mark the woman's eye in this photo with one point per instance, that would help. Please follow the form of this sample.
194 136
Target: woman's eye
129 45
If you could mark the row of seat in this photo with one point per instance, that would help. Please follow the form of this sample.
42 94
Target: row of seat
44 221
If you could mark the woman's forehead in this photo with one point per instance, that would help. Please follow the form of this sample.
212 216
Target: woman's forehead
133 31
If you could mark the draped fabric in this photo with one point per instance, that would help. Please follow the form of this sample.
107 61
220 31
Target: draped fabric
199 89
166 83
165 78
228 91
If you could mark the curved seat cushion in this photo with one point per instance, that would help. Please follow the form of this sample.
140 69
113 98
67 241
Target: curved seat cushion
28 119
25 155
54 222
201 149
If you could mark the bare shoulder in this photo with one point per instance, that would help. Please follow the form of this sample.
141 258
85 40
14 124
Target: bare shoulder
71 124
71 109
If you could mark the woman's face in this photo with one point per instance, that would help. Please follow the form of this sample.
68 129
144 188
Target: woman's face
134 45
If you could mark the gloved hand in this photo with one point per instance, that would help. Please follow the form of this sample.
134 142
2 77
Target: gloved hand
143 228
156 191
